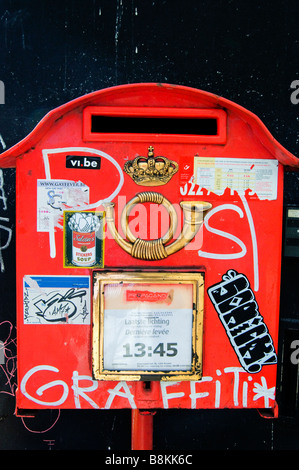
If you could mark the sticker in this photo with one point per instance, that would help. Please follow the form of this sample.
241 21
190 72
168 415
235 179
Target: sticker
293 213
52 198
186 169
56 299
239 174
83 239
238 311
83 162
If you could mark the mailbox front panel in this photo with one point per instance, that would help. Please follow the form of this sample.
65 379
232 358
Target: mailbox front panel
104 199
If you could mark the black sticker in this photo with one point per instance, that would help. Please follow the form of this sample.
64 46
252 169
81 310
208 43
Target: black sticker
83 162
238 311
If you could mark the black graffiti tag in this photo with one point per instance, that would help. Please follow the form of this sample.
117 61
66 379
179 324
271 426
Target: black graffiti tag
59 307
238 311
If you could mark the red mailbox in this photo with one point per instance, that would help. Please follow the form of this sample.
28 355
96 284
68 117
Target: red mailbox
149 227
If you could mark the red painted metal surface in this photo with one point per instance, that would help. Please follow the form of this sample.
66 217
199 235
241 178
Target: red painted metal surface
238 249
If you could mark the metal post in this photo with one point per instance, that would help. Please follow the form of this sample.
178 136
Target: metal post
142 430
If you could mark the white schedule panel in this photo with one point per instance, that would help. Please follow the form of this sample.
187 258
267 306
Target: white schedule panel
239 174
148 327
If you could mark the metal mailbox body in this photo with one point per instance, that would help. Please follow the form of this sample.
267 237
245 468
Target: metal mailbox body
97 150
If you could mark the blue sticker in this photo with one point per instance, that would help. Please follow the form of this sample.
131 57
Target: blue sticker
56 299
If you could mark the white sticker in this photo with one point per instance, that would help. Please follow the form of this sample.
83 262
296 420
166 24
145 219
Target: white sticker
239 174
151 330
293 213
56 299
55 196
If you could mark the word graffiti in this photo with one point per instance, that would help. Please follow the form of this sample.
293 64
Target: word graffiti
238 311
197 390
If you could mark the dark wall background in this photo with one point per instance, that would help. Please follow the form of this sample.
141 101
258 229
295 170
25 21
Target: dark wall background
54 51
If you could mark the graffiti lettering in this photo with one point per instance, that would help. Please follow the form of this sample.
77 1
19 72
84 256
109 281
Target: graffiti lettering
238 311
8 364
80 391
6 242
48 299
196 391
2 192
223 234
45 387
59 307
5 232
229 236
125 394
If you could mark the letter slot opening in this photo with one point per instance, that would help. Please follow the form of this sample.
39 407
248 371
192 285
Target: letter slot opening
157 124
153 125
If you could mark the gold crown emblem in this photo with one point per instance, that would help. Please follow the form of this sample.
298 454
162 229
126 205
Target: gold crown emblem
151 170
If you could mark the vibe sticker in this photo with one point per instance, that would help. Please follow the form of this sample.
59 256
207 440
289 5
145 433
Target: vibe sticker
235 303
82 161
56 299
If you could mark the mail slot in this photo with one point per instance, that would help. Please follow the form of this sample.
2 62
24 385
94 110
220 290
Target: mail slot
149 234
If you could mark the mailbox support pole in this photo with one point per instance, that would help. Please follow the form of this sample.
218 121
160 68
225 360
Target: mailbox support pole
142 430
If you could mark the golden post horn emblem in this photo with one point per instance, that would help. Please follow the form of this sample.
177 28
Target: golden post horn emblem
152 250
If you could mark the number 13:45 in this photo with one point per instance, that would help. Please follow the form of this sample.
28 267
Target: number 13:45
141 349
